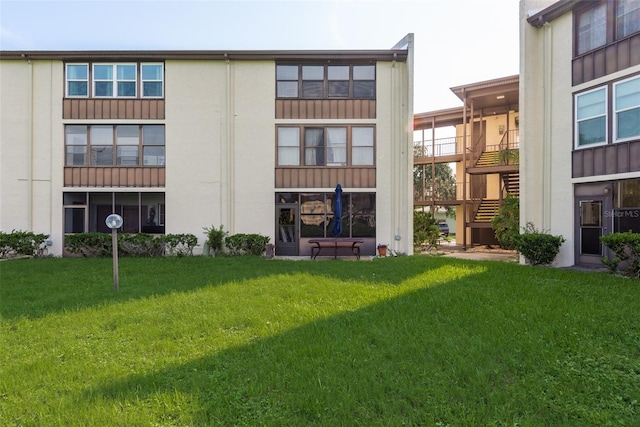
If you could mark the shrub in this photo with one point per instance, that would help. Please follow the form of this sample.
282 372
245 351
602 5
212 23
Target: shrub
21 243
98 245
626 247
240 244
179 244
425 229
215 238
506 223
538 247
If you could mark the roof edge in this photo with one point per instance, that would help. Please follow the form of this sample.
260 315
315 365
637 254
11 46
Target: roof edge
255 55
552 12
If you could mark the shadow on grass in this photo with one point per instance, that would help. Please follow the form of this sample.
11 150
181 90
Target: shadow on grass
388 363
33 288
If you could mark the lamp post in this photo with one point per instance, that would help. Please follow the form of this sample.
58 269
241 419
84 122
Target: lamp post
114 221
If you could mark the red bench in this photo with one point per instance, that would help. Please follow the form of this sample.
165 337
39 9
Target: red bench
334 243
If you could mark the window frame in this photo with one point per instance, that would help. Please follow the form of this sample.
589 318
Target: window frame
69 80
611 25
326 82
138 81
615 111
348 148
115 145
576 121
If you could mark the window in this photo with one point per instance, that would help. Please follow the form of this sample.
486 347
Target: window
316 213
129 141
605 23
627 109
326 146
77 80
592 28
362 146
117 80
628 17
152 78
114 80
326 81
591 118
288 146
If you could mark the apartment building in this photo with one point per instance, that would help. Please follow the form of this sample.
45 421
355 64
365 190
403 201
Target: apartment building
580 117
480 141
175 141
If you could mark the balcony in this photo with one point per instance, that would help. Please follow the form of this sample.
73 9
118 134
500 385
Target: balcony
445 150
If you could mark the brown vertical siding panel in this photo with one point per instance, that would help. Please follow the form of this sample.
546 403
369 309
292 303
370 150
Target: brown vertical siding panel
162 181
287 109
349 109
115 177
578 67
145 110
310 178
611 159
326 109
146 177
599 161
277 178
587 161
138 180
154 177
91 108
357 109
348 177
576 159
374 109
97 109
333 108
129 106
68 178
84 176
82 109
372 179
153 109
317 107
161 109
289 178
342 110
278 109
325 178
121 108
621 159
66 109
106 176
588 67
113 108
99 177
295 109
599 60
130 176
74 109
634 156
634 50
91 177
622 55
137 109
75 177
303 110
611 59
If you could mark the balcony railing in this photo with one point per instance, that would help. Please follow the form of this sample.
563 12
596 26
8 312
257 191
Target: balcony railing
440 146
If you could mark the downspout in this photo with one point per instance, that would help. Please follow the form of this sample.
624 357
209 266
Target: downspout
30 144
394 181
548 119
230 147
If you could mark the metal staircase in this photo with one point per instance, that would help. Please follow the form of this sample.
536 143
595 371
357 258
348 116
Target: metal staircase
488 158
512 183
487 210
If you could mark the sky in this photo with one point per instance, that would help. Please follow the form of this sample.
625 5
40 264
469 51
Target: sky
456 41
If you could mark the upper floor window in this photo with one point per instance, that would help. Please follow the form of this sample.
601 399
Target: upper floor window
595 113
326 146
591 118
326 81
627 109
122 80
108 145
605 22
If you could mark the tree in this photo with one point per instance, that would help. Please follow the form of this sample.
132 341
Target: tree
444 187
506 223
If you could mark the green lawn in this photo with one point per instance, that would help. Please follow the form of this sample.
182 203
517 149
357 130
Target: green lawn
247 341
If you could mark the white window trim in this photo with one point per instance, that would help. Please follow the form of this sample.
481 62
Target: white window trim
142 81
67 80
616 111
114 80
576 136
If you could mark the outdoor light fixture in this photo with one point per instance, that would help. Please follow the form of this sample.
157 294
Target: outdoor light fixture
114 221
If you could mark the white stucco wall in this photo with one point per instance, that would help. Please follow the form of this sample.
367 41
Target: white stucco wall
546 116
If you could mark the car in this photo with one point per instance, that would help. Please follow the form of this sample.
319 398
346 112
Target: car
444 228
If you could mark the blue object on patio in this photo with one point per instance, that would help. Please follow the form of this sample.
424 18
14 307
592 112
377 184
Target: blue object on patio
336 230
